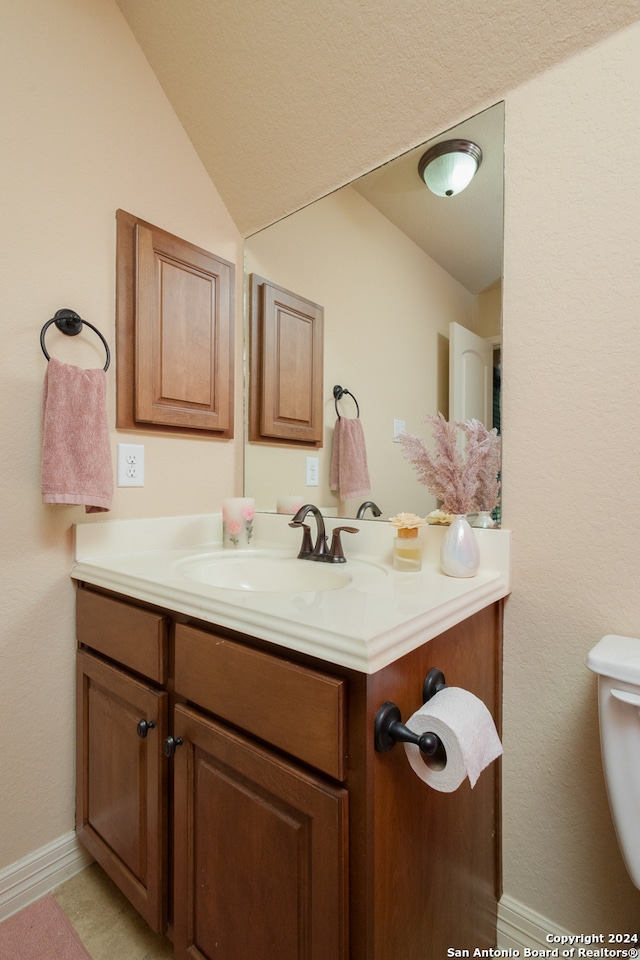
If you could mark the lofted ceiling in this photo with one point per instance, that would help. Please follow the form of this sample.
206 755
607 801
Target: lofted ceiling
464 233
285 101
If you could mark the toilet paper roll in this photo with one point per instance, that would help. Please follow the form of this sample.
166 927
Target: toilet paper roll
467 732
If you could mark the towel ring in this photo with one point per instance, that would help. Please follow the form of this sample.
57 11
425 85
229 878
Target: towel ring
69 323
338 394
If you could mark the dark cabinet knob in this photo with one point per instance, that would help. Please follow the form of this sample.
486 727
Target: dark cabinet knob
143 728
170 746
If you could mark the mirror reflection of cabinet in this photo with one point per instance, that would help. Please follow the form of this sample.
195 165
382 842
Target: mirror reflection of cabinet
393 266
174 333
286 362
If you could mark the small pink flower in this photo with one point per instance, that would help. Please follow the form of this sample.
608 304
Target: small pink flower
233 527
247 513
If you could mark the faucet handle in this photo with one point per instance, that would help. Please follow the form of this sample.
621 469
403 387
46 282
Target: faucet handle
306 547
336 553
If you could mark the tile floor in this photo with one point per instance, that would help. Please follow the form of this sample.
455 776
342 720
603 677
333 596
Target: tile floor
106 922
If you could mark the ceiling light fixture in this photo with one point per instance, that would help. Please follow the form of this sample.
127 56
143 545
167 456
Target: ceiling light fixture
450 166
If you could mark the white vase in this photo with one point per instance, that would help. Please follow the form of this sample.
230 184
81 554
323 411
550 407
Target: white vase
460 553
483 519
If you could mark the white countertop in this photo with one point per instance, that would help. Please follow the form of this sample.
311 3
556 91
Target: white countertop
377 618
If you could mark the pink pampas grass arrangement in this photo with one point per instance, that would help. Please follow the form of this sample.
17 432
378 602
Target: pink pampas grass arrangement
464 479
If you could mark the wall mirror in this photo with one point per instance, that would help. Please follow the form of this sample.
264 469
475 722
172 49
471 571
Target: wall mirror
393 266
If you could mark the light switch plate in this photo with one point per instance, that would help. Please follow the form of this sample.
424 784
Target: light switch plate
131 465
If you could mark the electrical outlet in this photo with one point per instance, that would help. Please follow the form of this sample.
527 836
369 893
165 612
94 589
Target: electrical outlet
312 471
398 428
130 465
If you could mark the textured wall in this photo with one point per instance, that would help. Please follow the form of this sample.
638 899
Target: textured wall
285 101
572 470
85 129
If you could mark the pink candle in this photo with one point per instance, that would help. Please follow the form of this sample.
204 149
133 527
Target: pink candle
289 505
237 522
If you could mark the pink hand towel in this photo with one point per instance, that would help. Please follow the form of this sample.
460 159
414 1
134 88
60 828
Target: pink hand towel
76 452
349 471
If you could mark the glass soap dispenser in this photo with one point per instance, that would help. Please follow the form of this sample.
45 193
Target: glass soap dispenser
407 549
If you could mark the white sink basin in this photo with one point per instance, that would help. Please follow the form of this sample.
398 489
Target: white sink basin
267 574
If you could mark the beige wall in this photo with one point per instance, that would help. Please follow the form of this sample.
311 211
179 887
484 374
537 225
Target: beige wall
387 309
87 130
488 312
84 129
572 469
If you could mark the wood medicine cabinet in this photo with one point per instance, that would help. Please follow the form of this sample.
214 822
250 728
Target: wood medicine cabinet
174 333
286 366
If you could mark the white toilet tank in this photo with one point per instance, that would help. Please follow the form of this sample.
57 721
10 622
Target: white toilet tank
616 660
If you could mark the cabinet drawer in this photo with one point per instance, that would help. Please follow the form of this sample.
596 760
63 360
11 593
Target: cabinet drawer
133 637
298 710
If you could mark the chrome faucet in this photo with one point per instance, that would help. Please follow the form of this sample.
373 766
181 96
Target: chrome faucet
368 505
320 550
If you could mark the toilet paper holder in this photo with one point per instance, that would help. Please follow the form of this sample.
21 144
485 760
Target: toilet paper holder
389 729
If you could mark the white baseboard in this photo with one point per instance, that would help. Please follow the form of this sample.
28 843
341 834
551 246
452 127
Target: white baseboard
519 927
40 872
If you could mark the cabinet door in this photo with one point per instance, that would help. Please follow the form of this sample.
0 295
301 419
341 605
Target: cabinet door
286 364
260 852
121 788
175 339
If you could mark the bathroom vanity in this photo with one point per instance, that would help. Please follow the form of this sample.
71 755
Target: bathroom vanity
228 780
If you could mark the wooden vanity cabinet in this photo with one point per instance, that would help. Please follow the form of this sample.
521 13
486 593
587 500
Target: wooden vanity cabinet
289 836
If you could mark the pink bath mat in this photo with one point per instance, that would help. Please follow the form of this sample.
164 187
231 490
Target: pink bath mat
40 932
